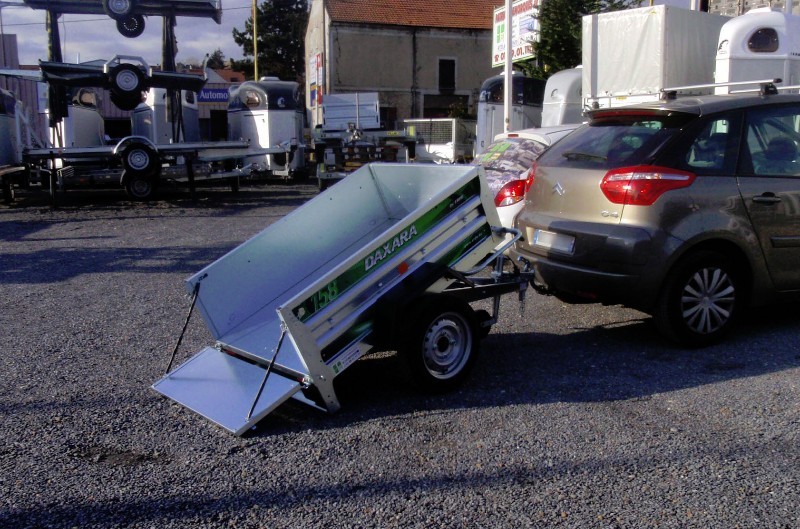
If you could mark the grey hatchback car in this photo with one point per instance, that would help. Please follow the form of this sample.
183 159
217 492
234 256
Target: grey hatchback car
687 209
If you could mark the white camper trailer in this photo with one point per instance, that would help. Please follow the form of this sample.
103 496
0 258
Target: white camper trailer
562 98
761 44
12 170
268 114
526 112
83 126
151 119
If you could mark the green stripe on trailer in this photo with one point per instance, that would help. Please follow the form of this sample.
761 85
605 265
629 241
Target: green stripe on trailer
377 258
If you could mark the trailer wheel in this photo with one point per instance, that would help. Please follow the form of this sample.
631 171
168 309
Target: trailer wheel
441 342
118 8
139 159
131 27
127 80
126 102
141 187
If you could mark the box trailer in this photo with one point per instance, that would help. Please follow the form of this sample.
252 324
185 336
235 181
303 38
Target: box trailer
443 140
630 56
385 260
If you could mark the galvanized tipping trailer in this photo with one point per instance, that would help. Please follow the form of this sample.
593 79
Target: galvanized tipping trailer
388 259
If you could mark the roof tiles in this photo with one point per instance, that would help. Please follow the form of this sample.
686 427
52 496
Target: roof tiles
457 14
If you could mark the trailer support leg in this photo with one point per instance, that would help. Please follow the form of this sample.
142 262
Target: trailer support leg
189 161
185 325
267 372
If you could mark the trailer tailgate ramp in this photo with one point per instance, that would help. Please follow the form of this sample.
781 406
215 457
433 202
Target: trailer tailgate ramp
223 389
296 304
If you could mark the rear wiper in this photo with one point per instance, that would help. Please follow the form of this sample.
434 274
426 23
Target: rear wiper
576 155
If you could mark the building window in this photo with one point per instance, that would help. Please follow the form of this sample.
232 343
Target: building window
447 76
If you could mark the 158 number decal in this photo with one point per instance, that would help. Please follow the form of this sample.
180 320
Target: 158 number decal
323 297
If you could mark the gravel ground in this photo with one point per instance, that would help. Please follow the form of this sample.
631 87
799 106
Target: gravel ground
575 416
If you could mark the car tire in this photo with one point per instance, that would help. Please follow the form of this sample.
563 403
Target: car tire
440 342
131 27
700 300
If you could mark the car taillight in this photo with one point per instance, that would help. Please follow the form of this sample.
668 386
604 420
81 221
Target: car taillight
529 177
641 185
511 193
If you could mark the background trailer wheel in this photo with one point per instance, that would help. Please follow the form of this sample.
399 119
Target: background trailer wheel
140 186
127 80
441 342
131 27
140 159
118 8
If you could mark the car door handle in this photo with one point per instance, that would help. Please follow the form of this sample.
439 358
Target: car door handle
767 198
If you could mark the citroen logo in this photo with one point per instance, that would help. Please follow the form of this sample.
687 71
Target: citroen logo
558 189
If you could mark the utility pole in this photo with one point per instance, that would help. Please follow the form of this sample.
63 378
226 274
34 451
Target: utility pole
255 40
508 82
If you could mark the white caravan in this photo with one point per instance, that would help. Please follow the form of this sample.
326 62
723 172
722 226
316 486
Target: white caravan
151 118
562 98
526 107
763 43
268 114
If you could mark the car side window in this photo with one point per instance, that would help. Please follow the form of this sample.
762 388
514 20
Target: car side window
773 141
707 152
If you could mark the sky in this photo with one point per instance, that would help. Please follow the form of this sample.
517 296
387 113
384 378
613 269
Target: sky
89 37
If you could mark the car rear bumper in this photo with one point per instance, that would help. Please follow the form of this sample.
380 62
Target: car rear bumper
608 264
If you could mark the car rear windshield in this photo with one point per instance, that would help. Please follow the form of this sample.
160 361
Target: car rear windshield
614 139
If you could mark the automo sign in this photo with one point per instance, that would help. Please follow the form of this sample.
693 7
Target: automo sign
524 31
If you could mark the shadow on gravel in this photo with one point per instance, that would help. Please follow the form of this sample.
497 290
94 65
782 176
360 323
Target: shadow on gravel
626 360
168 198
60 264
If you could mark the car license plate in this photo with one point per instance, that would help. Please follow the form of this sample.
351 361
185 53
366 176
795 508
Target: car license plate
553 241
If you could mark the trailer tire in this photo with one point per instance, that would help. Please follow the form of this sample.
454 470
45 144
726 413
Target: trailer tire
126 102
118 8
127 80
441 342
140 187
139 159
131 27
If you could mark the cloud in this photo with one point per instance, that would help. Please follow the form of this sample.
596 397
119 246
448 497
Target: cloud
90 37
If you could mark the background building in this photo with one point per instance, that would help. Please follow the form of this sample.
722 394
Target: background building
423 57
